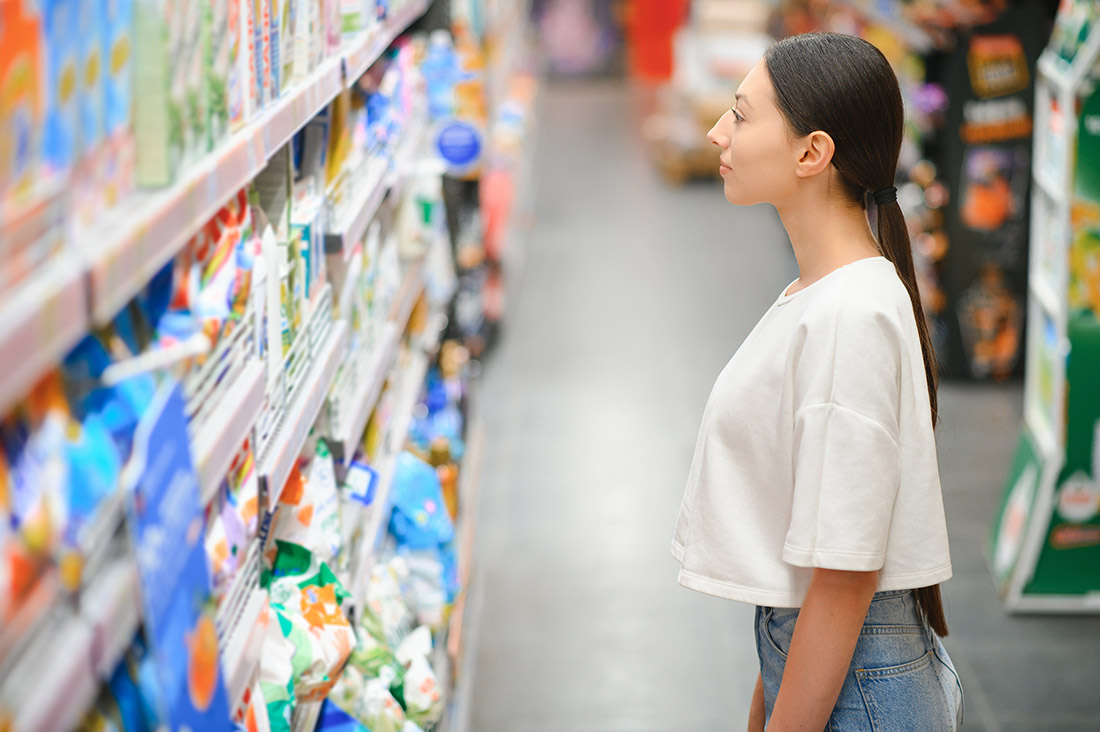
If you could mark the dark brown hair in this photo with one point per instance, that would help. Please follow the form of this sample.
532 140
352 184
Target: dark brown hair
844 86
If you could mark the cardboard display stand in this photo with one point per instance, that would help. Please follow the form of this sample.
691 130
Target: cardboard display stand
1044 548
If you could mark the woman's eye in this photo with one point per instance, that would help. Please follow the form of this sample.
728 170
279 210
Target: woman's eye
737 115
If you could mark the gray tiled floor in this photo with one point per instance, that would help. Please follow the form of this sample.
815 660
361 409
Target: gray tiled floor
634 296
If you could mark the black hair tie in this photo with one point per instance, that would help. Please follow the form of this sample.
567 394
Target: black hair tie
885 196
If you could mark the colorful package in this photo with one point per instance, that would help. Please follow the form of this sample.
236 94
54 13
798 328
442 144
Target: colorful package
116 37
21 99
160 90
419 519
61 31
423 698
221 41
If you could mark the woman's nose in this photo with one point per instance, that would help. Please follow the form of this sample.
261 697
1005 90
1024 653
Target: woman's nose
717 137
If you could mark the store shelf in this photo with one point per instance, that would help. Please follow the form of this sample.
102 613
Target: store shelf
1046 184
55 684
19 627
349 232
39 322
406 298
306 716
226 428
373 376
367 48
301 103
112 607
363 562
1046 296
291 435
347 435
1055 70
132 243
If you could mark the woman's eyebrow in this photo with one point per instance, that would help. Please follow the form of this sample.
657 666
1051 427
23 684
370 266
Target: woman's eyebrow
742 99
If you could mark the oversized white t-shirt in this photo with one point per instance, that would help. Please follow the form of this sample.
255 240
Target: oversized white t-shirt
816 450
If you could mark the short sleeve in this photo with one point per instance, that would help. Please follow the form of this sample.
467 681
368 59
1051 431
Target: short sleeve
846 457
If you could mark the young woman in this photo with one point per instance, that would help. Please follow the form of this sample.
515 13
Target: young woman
814 493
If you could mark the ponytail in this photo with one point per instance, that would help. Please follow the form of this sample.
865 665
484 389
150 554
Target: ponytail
893 240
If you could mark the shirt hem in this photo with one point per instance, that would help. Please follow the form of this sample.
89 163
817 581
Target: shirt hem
788 599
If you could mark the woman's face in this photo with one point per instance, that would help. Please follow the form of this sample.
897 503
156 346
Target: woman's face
757 154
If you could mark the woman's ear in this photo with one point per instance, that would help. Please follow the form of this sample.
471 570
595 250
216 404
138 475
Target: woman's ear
815 153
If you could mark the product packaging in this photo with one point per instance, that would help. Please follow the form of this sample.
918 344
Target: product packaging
22 106
242 73
160 90
221 42
60 30
117 39
91 100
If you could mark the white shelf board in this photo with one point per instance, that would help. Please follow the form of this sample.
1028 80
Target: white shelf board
145 232
1045 439
226 429
364 50
39 322
301 103
350 231
1046 296
288 441
348 434
411 287
380 506
1054 69
1046 184
366 396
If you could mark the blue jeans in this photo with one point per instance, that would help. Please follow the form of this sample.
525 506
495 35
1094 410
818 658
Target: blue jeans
901 678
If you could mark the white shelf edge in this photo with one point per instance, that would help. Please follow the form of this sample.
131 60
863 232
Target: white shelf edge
380 506
1047 186
226 429
367 395
353 230
287 443
1044 439
1045 296
369 47
39 323
301 103
237 673
156 225
1051 67
1088 602
306 716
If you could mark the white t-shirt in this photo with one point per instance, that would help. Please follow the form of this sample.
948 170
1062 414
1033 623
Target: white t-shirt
816 450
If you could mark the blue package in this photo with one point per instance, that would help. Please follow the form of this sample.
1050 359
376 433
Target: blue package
361 482
94 468
419 519
335 719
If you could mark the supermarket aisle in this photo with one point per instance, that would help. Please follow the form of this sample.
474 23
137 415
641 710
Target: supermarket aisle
635 295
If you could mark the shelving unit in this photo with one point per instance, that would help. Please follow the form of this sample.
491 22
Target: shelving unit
120 253
39 324
79 635
290 437
365 50
229 426
1020 544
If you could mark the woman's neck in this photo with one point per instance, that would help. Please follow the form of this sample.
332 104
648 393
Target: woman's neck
826 236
